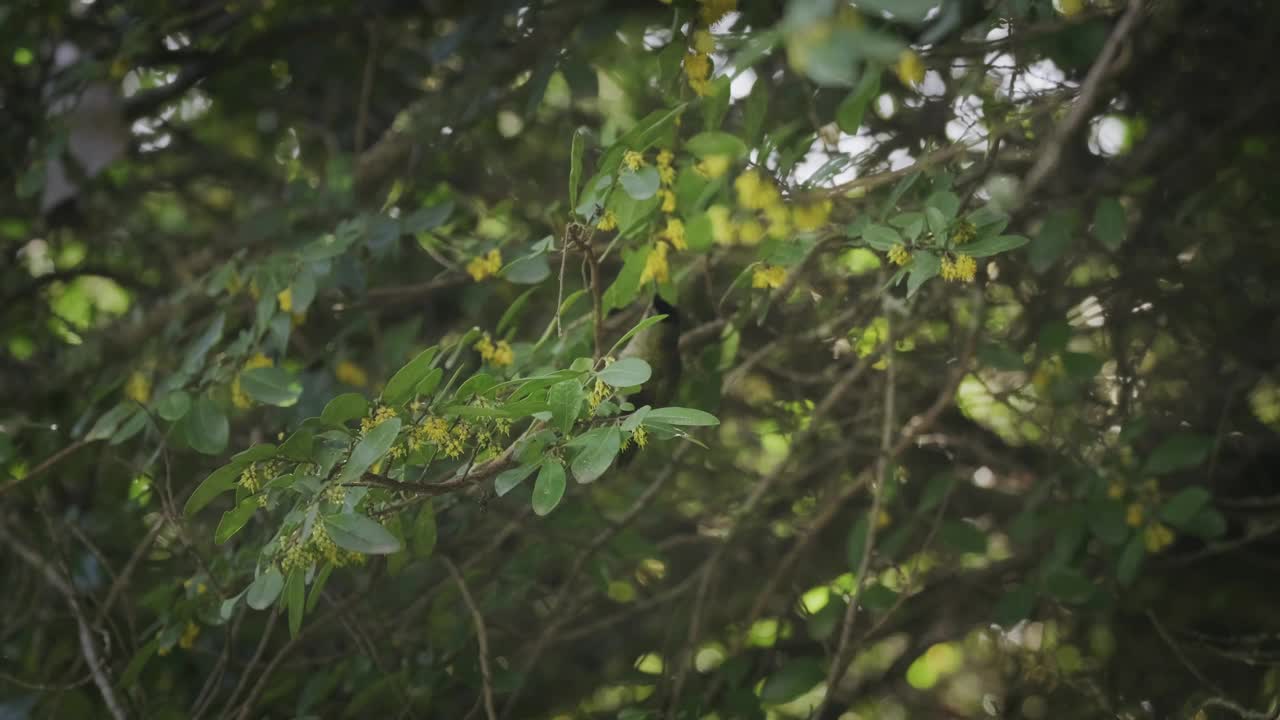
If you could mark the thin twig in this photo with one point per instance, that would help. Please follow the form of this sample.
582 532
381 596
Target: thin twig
40 469
482 638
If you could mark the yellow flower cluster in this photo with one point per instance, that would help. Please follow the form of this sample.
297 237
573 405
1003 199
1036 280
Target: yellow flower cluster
721 225
1134 515
697 69
295 557
668 200
482 267
1157 537
910 68
249 479
713 166
964 232
599 393
961 269
608 221
189 635
324 544
899 255
812 216
674 234
380 415
436 430
768 276
138 387
351 374
656 267
238 396
666 171
498 354
756 193
633 160
335 494
640 437
285 299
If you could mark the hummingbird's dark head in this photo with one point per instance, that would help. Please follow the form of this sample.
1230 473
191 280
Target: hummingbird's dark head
662 307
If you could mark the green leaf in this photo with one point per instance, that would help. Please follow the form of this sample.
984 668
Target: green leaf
370 449
934 492
1207 524
1069 585
924 265
1179 510
106 425
427 218
698 232
599 448
962 537
298 446
400 387
295 593
265 589
344 408
1131 560
218 482
565 399
425 532
129 428
1107 521
512 313
756 106
357 533
234 519
635 419
271 386
792 680
856 542
1015 606
945 202
135 666
681 416
852 109
548 489
576 147
1000 357
528 270
207 429
995 245
716 143
174 405
429 383
1109 223
1081 366
1052 241
881 237
878 597
622 292
626 372
640 184
507 480
1180 451
477 384
646 322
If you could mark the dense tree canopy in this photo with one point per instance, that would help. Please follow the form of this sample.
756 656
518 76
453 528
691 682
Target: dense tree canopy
646 359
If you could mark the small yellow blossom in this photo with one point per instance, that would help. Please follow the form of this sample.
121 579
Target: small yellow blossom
697 69
633 160
754 192
351 374
713 166
768 276
674 233
668 200
1115 490
1070 7
238 396
1157 537
379 416
482 267
812 216
665 158
703 42
1134 515
962 269
721 225
189 635
910 68
964 232
599 393
138 387
285 298
713 10
884 519
608 221
899 255
499 353
750 233
666 171
779 218
655 265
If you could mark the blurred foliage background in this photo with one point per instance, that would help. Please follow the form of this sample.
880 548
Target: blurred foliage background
981 292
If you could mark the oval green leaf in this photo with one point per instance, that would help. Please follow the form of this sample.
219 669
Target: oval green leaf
599 448
370 449
626 372
265 589
344 408
357 533
271 386
548 489
400 387
207 429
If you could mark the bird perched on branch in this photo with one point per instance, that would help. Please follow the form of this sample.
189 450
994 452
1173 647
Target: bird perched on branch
658 345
